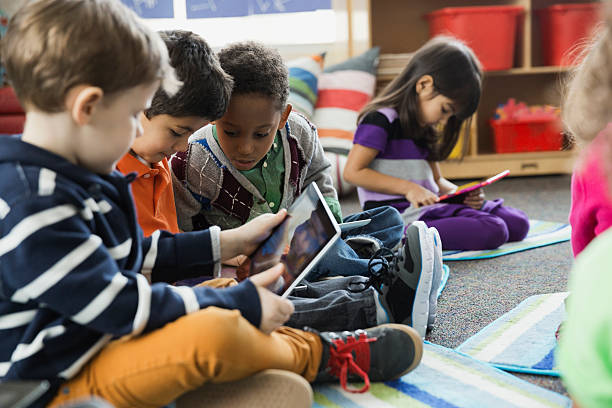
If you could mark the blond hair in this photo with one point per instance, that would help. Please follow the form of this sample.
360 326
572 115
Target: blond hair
53 45
587 105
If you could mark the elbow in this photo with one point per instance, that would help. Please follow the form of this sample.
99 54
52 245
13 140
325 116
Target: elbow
348 175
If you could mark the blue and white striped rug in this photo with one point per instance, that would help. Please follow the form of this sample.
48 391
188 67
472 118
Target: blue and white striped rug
541 233
445 378
522 340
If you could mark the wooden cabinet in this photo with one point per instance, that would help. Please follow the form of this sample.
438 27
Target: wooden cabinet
399 28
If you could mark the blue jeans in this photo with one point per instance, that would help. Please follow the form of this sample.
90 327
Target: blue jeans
331 305
386 227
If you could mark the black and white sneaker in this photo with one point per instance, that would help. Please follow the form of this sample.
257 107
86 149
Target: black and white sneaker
437 277
404 279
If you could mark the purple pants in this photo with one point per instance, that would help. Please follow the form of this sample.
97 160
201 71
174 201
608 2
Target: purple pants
462 227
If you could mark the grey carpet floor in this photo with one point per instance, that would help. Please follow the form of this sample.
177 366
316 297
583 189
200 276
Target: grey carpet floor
478 292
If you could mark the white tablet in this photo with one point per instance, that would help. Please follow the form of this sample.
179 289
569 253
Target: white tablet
299 242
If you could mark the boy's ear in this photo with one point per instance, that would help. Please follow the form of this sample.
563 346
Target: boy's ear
81 102
424 85
285 116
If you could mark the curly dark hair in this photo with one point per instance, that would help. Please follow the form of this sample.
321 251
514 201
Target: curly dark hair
256 69
206 89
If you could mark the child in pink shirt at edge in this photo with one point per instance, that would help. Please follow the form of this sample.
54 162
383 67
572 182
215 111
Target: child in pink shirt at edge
587 120
591 210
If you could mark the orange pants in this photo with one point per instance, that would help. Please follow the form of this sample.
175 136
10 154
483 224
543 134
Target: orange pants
211 345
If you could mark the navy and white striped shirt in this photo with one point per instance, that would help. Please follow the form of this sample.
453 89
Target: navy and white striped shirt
73 263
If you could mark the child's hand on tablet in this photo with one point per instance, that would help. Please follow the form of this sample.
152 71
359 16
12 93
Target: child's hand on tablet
420 196
275 310
246 238
475 199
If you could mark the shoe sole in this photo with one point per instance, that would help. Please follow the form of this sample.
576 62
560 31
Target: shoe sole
268 388
420 308
437 276
417 341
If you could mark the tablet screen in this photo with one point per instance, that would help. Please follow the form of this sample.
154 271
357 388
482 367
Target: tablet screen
298 242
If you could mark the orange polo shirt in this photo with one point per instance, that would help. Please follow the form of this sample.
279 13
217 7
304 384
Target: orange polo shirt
153 195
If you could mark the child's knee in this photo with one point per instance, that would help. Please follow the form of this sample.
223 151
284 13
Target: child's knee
391 215
388 222
385 215
494 232
218 327
518 228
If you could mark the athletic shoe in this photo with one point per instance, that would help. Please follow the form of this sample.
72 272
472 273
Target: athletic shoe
381 353
437 276
268 388
403 280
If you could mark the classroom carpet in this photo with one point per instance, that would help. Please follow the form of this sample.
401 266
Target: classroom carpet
444 378
522 340
541 233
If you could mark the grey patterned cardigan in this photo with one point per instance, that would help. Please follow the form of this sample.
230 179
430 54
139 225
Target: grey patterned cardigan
208 190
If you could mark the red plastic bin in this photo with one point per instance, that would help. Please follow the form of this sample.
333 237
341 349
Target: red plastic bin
564 26
12 117
526 136
489 30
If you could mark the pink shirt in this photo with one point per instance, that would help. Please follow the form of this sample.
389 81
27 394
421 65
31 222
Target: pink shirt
591 211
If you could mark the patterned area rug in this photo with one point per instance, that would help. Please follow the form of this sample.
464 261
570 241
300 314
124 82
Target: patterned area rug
522 340
445 378
541 233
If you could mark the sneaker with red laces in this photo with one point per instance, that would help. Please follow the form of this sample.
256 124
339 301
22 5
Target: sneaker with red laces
380 353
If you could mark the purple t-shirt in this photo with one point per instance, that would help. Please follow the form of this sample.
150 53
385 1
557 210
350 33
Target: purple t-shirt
399 156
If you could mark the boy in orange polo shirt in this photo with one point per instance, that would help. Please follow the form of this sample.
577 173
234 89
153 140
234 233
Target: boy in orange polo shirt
169 122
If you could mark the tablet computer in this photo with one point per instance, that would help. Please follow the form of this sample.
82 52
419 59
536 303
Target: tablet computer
299 242
458 196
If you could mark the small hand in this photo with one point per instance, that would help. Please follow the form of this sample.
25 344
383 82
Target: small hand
420 196
245 239
475 199
275 310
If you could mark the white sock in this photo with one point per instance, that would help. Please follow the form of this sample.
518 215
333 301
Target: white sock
381 314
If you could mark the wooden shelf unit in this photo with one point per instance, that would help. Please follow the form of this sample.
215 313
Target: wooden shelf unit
399 28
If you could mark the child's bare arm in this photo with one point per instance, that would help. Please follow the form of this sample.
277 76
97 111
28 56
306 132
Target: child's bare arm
358 173
444 185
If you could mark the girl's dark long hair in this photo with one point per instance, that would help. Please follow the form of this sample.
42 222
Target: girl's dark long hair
456 74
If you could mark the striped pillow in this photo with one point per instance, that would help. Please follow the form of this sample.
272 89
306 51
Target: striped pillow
303 78
343 90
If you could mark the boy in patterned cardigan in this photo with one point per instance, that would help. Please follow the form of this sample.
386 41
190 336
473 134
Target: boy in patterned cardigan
257 159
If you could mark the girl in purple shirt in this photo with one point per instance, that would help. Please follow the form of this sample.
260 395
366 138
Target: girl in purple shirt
411 126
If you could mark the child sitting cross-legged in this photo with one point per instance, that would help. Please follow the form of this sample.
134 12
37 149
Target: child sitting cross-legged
412 125
75 308
257 158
